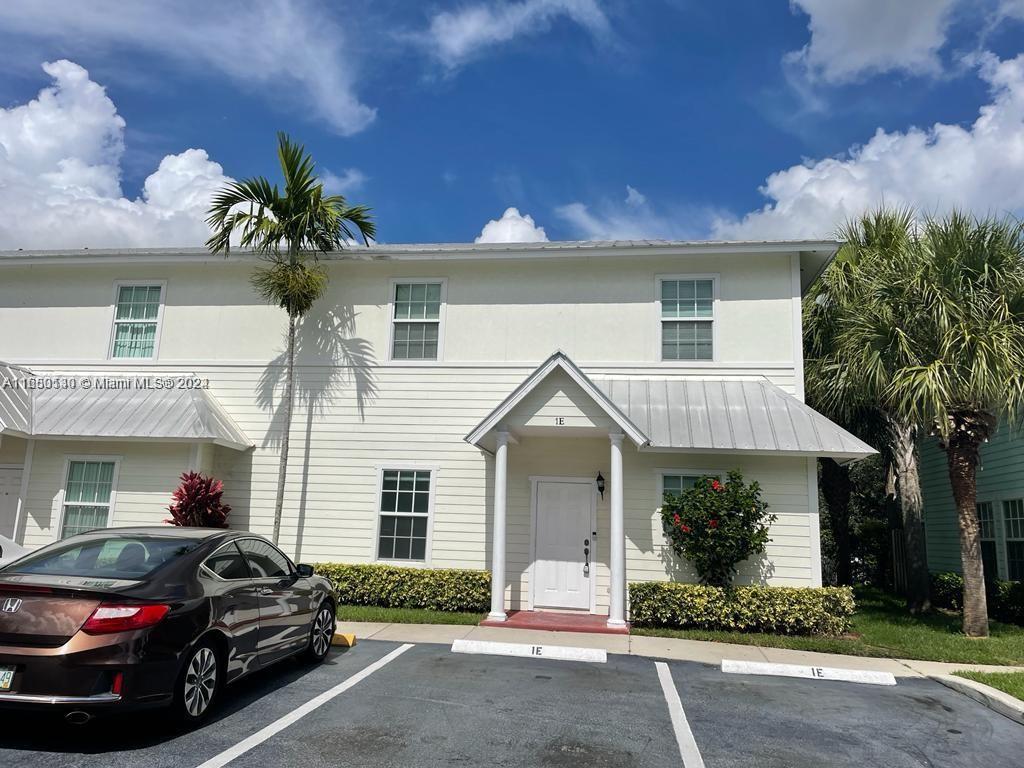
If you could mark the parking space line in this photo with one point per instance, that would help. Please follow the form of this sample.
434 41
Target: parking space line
684 736
277 726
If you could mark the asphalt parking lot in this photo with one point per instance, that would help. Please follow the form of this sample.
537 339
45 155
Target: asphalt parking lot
426 706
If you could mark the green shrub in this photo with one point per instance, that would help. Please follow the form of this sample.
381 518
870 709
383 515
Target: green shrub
717 525
1005 598
778 610
391 586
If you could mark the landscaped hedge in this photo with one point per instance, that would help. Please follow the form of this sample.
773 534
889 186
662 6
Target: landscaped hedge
779 610
1005 598
390 586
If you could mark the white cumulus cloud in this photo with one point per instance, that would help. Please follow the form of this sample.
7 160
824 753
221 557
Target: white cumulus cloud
977 167
456 36
292 50
512 227
854 38
60 170
344 183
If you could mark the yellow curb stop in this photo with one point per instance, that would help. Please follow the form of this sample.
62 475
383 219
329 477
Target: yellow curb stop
344 638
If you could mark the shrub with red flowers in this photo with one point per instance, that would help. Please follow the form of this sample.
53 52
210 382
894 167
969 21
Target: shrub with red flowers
717 525
197 502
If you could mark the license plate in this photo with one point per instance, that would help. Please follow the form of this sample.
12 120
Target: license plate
6 678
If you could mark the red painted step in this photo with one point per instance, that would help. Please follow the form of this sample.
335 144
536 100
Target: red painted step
557 622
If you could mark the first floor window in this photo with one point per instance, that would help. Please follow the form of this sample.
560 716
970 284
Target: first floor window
1013 519
404 512
676 484
987 528
136 318
87 493
687 319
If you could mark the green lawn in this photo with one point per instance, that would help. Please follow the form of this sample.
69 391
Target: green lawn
1008 682
881 627
405 615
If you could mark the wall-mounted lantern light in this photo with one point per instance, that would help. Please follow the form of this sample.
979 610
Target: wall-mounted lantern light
600 484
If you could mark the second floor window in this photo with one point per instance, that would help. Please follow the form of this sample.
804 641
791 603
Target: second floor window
416 320
136 321
687 319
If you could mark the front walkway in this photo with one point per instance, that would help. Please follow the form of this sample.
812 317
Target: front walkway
652 647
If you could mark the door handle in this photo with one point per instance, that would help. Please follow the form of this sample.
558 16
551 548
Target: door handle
266 591
586 557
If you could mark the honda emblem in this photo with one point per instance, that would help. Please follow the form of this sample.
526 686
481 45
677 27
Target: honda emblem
11 605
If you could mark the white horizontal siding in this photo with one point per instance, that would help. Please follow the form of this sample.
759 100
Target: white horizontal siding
417 416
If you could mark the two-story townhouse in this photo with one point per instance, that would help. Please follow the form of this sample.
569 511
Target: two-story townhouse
515 407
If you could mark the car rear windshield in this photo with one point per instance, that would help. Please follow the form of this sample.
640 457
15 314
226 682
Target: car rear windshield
133 557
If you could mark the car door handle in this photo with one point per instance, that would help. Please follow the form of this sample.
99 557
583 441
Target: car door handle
265 590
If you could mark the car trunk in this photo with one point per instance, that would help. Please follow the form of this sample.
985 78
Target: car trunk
46 611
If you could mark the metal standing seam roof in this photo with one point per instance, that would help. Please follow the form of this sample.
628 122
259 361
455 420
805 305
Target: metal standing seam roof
192 415
729 415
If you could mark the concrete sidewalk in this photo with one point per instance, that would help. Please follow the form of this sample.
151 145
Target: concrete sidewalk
652 647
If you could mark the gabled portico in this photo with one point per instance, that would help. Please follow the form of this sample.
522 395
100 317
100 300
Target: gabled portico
558 399
546 439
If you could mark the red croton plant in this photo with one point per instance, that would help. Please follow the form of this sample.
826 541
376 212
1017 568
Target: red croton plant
717 525
197 502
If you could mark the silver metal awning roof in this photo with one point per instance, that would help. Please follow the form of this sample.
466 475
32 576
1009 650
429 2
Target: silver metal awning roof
186 415
697 415
751 415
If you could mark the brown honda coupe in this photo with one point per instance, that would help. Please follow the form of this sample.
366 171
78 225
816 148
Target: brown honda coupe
136 617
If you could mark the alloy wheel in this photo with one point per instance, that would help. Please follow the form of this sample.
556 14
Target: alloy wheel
200 681
323 632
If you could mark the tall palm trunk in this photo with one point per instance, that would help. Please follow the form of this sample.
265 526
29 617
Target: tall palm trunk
289 396
836 488
962 449
903 441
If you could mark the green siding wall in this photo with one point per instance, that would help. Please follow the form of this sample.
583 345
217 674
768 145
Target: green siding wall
1000 477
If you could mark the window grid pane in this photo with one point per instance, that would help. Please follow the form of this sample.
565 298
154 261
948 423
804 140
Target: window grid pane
686 299
417 301
415 341
686 340
78 519
404 508
986 520
1013 516
1015 560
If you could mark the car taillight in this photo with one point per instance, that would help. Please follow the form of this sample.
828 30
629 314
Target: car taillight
108 618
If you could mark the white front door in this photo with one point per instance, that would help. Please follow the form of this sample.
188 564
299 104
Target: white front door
10 490
563 529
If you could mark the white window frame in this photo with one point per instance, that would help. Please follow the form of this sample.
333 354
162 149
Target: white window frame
118 285
1006 534
714 277
442 311
399 466
59 499
689 471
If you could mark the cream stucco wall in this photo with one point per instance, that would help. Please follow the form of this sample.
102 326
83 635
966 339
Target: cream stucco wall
595 310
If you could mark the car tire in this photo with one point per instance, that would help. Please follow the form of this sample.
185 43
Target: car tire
200 681
321 633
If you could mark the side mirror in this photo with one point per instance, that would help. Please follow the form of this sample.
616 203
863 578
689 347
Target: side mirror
304 571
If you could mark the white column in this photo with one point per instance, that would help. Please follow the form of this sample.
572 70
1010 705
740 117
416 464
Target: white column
20 515
498 541
617 540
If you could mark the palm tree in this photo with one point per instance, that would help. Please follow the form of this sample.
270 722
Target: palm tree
852 305
963 338
288 229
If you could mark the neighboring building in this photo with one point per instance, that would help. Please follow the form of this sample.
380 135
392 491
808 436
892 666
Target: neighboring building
1000 505
455 403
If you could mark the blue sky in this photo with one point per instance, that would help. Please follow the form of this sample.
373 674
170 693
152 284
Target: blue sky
595 118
